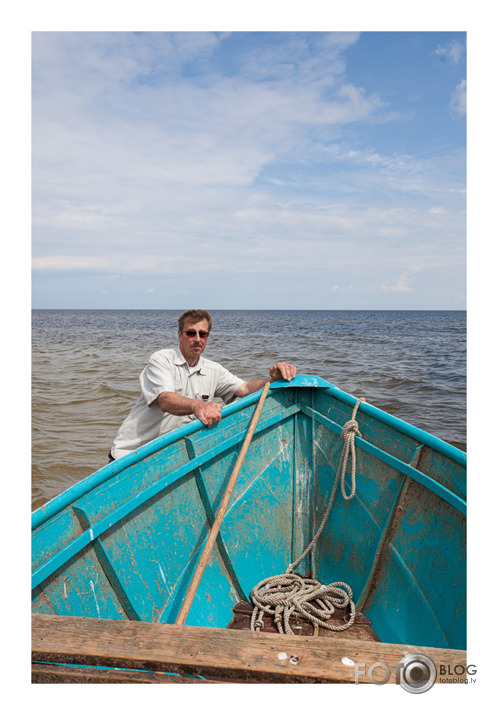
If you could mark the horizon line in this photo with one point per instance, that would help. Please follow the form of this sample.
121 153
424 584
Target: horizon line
366 310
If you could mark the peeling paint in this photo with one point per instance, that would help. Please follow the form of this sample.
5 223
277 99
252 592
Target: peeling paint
95 597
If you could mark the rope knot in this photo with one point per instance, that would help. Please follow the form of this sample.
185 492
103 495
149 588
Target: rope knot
350 427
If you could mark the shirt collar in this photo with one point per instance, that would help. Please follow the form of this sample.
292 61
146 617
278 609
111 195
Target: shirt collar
180 360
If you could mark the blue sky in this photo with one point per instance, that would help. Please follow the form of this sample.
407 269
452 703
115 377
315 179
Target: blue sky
305 170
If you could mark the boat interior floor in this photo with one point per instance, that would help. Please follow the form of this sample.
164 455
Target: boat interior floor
360 630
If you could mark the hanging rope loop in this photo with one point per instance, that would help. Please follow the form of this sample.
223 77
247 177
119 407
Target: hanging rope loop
289 593
349 431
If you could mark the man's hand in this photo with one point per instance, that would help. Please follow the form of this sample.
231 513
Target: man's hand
209 413
282 371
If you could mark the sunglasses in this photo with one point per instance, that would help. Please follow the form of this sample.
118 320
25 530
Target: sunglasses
203 334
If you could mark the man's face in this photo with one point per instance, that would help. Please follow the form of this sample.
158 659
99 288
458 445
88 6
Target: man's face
192 346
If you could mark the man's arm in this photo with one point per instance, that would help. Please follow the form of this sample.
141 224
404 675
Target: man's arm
279 371
209 413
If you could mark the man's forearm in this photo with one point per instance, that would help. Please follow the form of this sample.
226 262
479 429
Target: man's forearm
279 371
247 388
175 404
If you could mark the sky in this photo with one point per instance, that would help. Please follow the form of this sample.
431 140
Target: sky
249 170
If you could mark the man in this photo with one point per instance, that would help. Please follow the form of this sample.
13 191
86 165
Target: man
178 386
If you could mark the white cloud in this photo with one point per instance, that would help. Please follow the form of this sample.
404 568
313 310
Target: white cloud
94 117
459 98
453 51
400 285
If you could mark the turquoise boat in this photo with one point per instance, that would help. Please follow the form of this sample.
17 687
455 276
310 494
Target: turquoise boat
119 549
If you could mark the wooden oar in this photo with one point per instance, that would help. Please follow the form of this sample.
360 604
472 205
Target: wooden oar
206 553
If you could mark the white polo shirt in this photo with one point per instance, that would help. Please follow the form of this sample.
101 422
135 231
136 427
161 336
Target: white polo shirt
168 371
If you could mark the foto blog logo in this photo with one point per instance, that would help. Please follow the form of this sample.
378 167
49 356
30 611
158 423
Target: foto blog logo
415 673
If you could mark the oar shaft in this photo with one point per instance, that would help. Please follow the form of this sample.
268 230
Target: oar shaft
206 552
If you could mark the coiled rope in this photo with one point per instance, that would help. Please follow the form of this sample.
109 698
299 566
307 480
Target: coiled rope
288 593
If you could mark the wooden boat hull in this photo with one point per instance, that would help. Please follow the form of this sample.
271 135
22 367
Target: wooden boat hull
123 543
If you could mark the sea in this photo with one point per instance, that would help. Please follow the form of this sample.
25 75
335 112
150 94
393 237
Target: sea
86 363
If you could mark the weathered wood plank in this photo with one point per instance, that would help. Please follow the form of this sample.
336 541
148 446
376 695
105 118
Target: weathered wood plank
56 673
217 653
